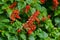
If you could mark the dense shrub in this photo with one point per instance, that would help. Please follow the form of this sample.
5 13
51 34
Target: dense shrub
29 20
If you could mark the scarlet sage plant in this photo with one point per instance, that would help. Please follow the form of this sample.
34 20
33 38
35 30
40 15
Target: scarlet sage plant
29 19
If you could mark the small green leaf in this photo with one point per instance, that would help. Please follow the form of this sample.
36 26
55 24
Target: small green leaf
43 35
5 20
31 37
1 38
21 5
57 20
12 1
28 1
1 11
23 36
18 24
9 12
57 12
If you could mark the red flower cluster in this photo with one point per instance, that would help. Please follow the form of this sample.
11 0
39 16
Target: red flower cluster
14 15
30 31
55 4
42 1
29 24
27 8
13 5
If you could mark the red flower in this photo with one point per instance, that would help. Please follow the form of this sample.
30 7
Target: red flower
37 20
16 11
33 27
29 32
17 14
29 23
25 25
13 5
27 8
43 19
42 1
36 13
18 30
14 15
49 16
55 4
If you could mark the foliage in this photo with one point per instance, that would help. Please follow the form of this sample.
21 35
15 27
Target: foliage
29 20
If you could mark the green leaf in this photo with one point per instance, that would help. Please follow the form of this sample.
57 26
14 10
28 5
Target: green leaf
2 25
44 11
5 6
28 1
5 20
11 37
49 24
38 7
21 5
9 12
57 20
43 35
32 10
1 2
4 1
23 36
57 12
3 33
1 38
12 1
1 11
18 24
31 37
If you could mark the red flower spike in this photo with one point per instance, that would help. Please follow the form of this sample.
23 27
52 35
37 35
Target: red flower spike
26 10
25 26
43 19
33 27
28 7
49 16
32 19
55 4
37 20
18 30
13 5
29 32
17 16
42 1
16 11
36 13
12 17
